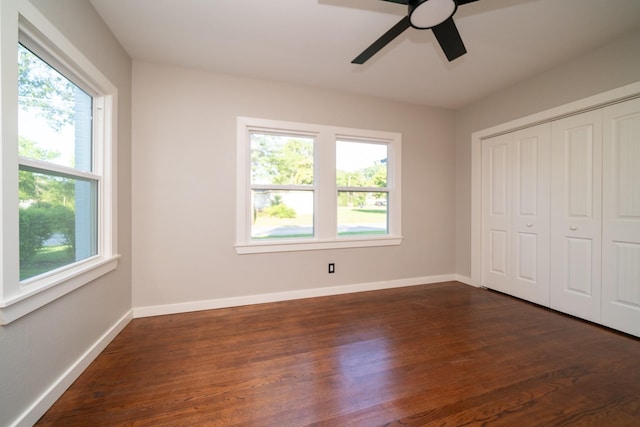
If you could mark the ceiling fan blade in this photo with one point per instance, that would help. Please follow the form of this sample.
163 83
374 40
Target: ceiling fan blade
386 38
402 1
449 38
464 1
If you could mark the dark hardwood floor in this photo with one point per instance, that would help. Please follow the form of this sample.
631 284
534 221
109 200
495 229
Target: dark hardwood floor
444 354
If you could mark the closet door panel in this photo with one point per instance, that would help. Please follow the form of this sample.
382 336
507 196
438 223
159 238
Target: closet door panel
526 257
576 188
579 255
530 242
621 217
496 213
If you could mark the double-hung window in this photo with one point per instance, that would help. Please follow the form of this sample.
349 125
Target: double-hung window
282 185
58 224
304 187
363 193
57 180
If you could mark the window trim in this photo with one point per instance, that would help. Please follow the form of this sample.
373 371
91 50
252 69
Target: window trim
325 188
23 23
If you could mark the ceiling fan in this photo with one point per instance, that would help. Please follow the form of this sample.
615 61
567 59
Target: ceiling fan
436 15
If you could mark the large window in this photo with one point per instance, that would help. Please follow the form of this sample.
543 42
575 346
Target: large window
57 185
58 173
303 187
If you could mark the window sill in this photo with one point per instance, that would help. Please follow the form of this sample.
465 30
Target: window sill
293 246
49 288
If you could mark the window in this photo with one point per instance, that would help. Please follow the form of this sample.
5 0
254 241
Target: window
305 187
282 186
56 184
58 176
363 194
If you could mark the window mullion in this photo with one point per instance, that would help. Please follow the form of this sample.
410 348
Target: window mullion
326 178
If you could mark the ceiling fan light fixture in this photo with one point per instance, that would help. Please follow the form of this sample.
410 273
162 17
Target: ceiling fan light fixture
426 14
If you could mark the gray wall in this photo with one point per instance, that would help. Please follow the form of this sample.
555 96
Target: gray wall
184 188
608 67
37 349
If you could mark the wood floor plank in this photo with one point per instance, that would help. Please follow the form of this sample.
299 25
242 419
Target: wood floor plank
443 354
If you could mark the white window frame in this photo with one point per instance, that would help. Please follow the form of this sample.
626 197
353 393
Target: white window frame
22 22
325 188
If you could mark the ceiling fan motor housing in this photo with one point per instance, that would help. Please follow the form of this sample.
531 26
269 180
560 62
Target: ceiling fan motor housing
425 14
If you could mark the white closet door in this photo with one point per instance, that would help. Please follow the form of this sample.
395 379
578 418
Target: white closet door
516 213
530 219
576 205
496 213
621 217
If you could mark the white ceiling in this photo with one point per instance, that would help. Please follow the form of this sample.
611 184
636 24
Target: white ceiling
312 42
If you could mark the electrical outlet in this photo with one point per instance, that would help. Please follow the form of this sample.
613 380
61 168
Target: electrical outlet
332 268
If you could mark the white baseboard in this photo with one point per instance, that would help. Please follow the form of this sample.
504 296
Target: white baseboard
38 408
184 307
